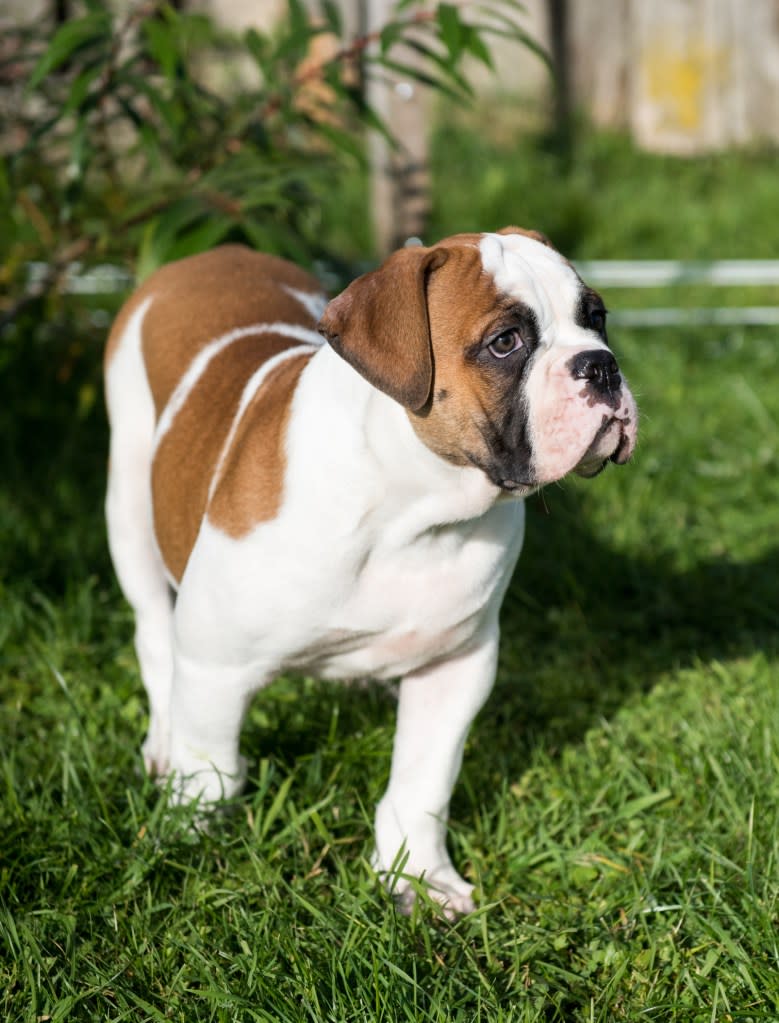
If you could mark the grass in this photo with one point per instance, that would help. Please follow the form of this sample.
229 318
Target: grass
618 803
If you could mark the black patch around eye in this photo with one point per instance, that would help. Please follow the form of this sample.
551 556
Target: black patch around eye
591 312
598 320
517 319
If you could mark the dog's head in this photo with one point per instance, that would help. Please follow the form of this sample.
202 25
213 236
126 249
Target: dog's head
498 351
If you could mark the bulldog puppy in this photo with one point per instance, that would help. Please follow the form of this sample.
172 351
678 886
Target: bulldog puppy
349 507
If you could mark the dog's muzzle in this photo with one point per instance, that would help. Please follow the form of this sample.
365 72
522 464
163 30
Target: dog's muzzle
614 440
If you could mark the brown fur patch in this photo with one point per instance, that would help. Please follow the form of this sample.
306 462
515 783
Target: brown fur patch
535 235
251 484
199 298
222 290
187 456
463 305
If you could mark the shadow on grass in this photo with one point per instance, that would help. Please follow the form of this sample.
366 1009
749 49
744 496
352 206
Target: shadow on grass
587 628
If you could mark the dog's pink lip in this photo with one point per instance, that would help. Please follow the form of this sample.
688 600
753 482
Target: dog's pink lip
597 457
589 470
624 450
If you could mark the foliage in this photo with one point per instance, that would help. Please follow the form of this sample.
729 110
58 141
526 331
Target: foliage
142 137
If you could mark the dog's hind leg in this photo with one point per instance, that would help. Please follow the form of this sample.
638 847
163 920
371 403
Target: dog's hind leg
134 552
208 705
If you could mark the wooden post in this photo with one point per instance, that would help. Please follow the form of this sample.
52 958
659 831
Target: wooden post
557 14
399 176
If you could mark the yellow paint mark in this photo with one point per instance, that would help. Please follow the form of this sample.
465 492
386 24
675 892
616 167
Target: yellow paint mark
677 81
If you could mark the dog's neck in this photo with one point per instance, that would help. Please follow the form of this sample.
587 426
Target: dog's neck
361 432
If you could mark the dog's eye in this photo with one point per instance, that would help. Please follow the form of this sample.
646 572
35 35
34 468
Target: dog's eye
598 320
506 344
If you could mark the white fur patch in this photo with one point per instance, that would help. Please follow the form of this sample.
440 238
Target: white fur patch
313 302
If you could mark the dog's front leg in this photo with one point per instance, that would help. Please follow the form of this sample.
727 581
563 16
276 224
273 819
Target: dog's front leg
436 707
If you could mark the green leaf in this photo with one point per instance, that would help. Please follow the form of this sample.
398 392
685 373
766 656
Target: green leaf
450 29
205 235
333 17
389 35
346 142
162 46
424 77
80 151
79 89
69 39
504 27
475 45
257 45
168 112
160 234
447 66
151 146
299 23
276 806
633 807
130 112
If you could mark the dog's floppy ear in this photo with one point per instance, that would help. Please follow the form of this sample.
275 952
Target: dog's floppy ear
380 325
536 235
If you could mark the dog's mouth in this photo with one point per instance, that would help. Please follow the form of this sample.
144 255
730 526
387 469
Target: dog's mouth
612 443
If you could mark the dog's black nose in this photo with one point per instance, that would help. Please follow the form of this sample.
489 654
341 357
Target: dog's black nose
600 368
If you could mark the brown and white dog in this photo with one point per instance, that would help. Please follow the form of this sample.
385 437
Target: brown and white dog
350 508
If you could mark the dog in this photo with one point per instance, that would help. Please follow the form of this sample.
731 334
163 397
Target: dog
337 489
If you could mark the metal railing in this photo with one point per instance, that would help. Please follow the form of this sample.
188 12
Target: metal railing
612 274
668 273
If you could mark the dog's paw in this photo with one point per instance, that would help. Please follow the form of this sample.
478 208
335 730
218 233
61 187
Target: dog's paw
155 750
155 761
443 886
204 785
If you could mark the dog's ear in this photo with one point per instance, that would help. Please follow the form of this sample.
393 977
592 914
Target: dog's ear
536 235
380 325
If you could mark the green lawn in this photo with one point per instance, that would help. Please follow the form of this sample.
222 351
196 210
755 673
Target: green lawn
618 803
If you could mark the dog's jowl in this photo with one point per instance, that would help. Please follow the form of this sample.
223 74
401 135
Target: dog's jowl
337 489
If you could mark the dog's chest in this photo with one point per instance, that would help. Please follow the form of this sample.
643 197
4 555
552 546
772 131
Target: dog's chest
408 608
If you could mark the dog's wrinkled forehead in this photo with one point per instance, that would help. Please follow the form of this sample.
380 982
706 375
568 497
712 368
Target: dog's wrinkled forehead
534 273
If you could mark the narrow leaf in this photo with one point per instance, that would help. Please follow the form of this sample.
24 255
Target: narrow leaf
450 29
68 40
79 90
390 34
162 47
634 807
333 17
476 46
257 45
